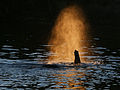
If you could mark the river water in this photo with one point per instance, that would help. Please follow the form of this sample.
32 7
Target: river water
26 68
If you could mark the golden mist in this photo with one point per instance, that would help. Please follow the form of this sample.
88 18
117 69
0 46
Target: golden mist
68 34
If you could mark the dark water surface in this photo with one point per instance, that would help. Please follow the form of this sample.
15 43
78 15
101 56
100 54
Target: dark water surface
24 67
25 30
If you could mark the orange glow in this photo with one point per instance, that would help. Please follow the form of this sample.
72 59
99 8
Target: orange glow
67 79
68 34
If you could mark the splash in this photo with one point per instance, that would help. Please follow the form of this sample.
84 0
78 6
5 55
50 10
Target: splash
68 34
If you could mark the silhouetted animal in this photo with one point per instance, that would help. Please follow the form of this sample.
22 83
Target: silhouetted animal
77 58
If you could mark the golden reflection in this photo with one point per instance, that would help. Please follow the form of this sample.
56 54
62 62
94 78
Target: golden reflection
70 79
68 34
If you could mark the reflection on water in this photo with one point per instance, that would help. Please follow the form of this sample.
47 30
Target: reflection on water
25 68
91 77
70 79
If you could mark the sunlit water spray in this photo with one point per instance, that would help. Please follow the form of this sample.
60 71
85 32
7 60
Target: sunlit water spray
68 34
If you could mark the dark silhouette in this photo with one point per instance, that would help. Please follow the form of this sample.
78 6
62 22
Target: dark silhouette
77 58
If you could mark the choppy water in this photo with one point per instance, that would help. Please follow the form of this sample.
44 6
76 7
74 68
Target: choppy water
25 68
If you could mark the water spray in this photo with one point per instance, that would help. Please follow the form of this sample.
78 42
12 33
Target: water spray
68 34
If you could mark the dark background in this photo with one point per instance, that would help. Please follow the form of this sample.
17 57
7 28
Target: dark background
27 22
